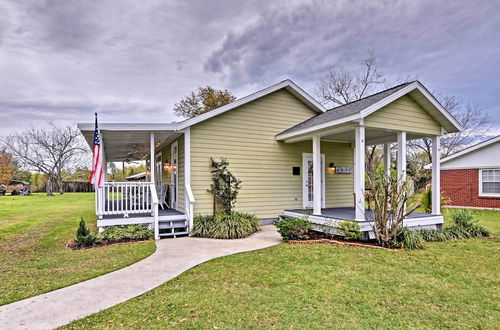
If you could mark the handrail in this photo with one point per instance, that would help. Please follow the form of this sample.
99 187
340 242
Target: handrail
189 207
155 202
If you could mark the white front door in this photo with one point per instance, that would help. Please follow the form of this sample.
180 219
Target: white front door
174 193
307 181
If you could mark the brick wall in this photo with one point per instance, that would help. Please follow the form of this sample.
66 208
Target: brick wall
462 189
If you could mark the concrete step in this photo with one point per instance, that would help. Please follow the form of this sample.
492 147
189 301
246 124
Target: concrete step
181 233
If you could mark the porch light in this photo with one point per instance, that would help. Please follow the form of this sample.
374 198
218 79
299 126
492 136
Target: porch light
331 167
167 166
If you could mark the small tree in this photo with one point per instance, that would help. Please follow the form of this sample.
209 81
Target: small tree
392 203
225 186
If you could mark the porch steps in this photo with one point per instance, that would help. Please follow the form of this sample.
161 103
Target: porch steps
173 226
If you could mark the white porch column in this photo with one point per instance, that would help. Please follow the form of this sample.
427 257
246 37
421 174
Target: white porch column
359 172
317 175
401 157
152 156
436 176
188 202
387 159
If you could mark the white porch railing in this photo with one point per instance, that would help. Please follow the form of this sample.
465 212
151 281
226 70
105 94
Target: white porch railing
125 198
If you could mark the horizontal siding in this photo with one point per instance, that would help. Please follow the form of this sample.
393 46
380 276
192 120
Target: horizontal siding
246 137
404 114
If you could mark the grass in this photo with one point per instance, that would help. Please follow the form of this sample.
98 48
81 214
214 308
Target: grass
451 284
34 231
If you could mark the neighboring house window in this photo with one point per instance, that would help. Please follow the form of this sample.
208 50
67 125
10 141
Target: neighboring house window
489 181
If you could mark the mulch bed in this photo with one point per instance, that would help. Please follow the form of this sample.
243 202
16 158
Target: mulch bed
73 245
340 242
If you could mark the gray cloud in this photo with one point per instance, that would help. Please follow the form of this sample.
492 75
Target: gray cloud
132 60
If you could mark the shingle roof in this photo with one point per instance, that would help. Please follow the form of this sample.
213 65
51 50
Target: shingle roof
346 109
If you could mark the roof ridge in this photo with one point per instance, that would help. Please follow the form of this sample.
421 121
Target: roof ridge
382 91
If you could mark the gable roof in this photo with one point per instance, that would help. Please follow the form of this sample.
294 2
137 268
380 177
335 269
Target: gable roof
363 107
289 85
468 150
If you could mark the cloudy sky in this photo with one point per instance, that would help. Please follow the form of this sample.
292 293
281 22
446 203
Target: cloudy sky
62 60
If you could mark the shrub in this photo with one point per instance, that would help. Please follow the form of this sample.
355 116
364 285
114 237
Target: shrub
294 228
127 232
408 239
466 225
350 230
225 226
84 237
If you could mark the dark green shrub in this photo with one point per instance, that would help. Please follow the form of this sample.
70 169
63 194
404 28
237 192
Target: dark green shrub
350 230
294 228
83 236
225 226
202 225
408 239
127 232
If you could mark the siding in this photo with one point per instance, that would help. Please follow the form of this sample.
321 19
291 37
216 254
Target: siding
246 137
404 114
166 177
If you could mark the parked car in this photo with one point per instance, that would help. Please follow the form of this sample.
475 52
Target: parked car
19 187
3 189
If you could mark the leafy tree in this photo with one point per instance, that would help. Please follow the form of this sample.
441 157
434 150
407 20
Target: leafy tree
204 99
22 175
225 186
8 166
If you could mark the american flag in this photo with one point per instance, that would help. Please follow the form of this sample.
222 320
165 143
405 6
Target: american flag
96 174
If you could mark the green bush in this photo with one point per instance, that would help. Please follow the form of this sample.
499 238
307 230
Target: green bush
408 239
466 225
225 226
127 232
294 228
84 237
350 230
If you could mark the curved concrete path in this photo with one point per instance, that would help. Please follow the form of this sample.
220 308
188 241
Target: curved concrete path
171 258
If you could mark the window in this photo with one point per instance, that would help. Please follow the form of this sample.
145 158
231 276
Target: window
489 181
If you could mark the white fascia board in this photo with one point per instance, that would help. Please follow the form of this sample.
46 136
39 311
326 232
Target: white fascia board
415 85
343 120
288 84
467 150
128 126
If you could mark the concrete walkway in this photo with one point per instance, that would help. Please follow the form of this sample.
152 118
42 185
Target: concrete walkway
171 258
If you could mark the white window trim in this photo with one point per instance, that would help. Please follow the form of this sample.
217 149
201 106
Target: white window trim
481 194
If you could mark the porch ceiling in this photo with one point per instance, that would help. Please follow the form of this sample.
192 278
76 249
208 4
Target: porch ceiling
121 145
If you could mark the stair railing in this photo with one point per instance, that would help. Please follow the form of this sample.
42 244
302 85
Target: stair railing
155 203
189 209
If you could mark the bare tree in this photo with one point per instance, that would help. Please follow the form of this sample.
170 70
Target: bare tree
339 87
470 116
51 151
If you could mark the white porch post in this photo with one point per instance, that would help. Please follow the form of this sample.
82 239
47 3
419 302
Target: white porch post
359 172
188 203
317 175
436 176
401 157
152 156
387 159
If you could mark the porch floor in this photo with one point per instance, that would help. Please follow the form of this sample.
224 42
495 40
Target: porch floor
348 213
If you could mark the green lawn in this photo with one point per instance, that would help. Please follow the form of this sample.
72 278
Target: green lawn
34 231
451 284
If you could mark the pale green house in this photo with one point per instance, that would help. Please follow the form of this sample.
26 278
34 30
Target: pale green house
292 155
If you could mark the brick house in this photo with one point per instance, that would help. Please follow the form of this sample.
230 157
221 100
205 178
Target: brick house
471 177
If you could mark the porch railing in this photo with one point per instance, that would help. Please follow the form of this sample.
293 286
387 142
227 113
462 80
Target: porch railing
115 198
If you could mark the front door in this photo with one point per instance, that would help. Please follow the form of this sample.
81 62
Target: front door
307 176
174 194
